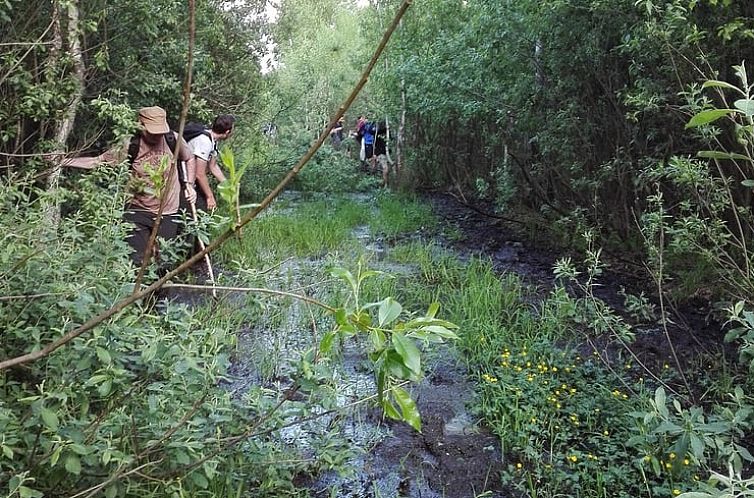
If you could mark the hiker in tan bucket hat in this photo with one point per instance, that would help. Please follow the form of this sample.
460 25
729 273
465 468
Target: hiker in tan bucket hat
145 152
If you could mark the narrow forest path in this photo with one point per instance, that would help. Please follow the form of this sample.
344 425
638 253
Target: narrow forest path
454 455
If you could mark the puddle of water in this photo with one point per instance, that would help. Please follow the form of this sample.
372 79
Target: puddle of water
451 457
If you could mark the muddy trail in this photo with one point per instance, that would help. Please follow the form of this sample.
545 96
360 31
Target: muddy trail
454 456
691 327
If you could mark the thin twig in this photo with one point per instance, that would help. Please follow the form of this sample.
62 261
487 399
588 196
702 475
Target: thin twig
260 290
30 296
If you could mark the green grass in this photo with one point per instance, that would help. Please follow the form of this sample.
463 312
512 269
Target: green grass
401 214
567 426
311 229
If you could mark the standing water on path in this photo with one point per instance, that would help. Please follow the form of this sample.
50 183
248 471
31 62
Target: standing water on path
372 456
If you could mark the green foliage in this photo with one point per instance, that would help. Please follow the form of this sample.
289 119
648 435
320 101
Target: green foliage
392 343
230 189
88 410
326 225
677 440
125 68
331 170
401 214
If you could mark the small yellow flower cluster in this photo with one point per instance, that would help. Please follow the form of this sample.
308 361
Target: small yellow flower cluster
489 378
573 458
676 492
618 394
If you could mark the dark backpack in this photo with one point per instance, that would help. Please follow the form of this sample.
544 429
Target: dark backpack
193 130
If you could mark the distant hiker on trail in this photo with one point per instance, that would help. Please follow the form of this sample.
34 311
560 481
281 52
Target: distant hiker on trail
145 152
203 144
360 122
336 134
367 144
380 152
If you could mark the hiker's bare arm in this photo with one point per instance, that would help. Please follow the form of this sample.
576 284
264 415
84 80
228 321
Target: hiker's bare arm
203 182
188 158
84 162
214 168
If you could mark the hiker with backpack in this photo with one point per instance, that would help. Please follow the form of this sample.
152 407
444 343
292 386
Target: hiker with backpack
145 152
367 133
380 152
203 143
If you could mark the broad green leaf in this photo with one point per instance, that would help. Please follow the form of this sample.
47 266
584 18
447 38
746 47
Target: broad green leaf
341 316
708 116
720 84
715 427
103 355
746 106
368 274
228 160
389 310
79 449
716 154
390 410
441 332
325 345
50 419
182 457
748 183
660 397
697 446
73 464
433 309
745 454
695 494
408 408
395 365
56 456
199 480
408 351
105 388
667 427
346 275
26 492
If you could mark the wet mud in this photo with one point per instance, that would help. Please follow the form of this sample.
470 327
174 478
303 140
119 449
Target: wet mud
692 329
453 456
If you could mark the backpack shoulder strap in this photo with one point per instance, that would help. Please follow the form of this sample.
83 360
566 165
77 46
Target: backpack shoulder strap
170 140
133 148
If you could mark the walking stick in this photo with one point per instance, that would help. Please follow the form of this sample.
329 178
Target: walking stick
201 243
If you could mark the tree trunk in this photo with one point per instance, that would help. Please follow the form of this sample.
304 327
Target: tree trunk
64 127
400 138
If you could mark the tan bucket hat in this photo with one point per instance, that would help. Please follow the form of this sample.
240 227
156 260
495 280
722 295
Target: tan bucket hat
153 120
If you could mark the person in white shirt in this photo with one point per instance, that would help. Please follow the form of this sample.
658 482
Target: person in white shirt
204 148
